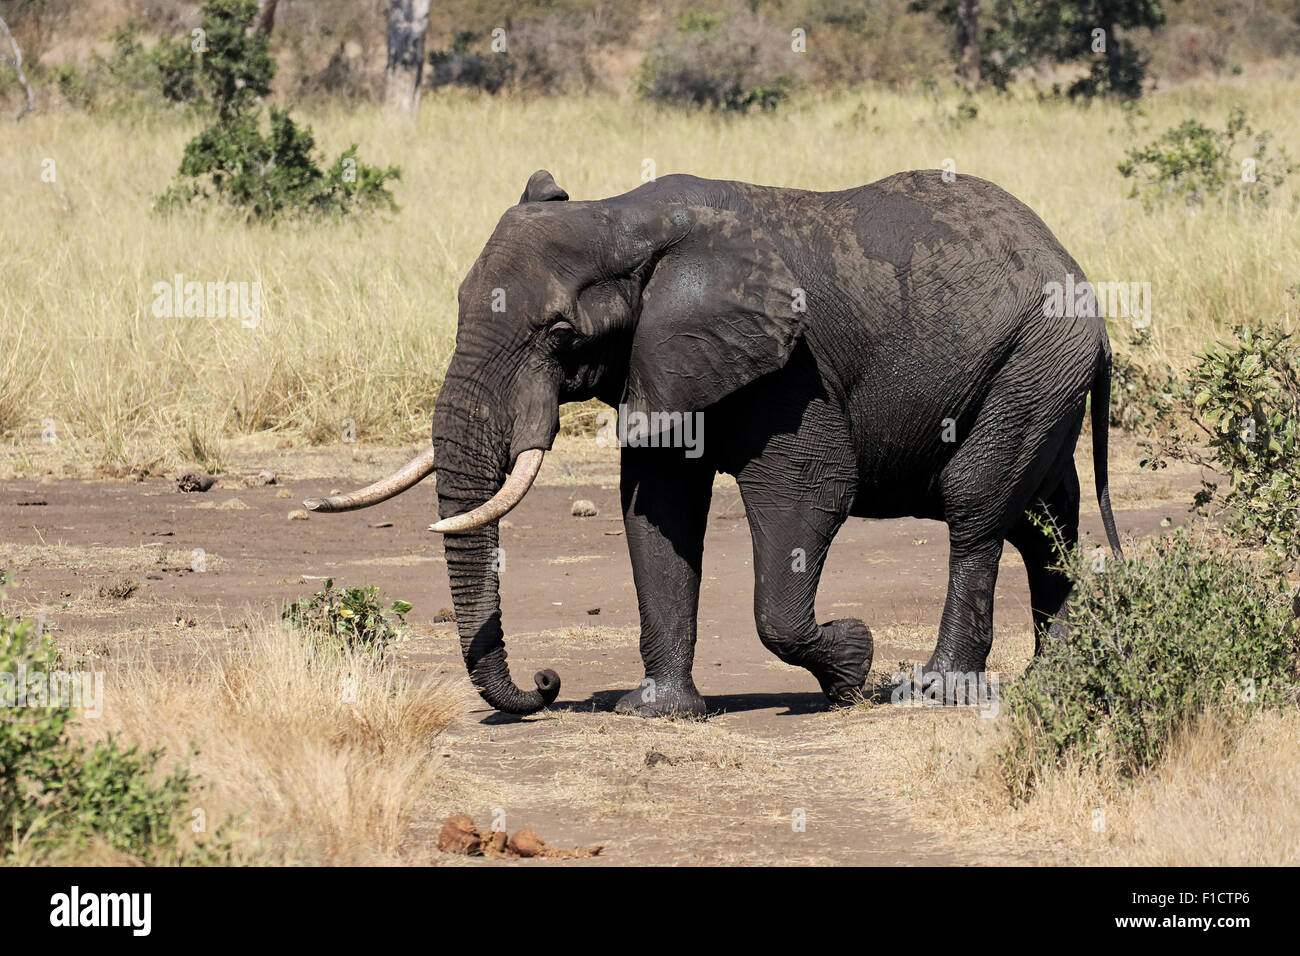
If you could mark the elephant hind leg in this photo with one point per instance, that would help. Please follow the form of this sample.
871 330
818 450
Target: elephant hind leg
1049 588
997 472
792 524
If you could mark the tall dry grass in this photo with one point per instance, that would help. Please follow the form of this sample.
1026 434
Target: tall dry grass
1222 797
316 758
358 318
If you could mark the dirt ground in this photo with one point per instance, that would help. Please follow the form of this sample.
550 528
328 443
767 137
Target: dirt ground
772 776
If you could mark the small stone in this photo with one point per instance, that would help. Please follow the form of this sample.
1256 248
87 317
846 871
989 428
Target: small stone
284 493
582 508
298 515
593 611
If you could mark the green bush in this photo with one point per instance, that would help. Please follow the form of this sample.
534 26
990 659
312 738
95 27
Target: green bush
232 68
1140 388
462 66
1014 35
1239 414
1180 629
349 619
266 175
131 74
1194 162
58 794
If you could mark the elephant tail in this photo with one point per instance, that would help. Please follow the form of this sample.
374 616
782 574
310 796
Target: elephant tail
1100 427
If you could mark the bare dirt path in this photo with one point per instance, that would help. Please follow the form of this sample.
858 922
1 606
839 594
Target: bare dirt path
732 789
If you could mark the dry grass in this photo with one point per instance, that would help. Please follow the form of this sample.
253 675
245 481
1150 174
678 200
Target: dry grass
98 559
1221 798
321 759
358 318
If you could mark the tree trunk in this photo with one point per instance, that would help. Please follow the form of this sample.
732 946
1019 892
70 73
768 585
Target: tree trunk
407 22
18 65
266 16
968 39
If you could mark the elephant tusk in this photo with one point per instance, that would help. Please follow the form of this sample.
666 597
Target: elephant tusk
512 492
409 475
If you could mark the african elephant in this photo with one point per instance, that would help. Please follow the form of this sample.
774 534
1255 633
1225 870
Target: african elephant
882 351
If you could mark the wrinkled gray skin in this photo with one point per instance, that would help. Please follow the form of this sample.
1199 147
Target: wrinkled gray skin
924 312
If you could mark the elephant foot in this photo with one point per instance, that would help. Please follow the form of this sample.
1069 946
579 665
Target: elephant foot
954 679
844 659
653 699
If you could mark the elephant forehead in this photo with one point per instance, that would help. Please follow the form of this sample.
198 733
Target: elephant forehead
526 296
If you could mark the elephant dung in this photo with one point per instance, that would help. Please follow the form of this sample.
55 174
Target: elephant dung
459 835
495 845
527 843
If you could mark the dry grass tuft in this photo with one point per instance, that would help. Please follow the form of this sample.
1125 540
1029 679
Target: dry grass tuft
1222 797
322 757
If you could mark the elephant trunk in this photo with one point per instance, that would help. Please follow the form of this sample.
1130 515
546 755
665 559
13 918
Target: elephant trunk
466 482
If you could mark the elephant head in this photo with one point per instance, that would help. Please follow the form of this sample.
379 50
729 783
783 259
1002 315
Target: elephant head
639 301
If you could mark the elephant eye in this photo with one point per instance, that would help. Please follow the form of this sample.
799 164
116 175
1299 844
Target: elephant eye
562 333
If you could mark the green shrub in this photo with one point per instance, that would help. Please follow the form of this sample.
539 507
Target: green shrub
58 794
232 68
350 619
130 74
1177 630
266 175
1239 414
1194 162
1140 389
462 66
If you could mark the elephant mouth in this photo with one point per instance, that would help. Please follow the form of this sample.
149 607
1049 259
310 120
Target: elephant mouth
511 492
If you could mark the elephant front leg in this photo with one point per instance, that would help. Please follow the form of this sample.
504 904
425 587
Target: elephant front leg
665 509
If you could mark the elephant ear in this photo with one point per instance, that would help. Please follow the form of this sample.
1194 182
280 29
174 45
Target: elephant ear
542 187
717 312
